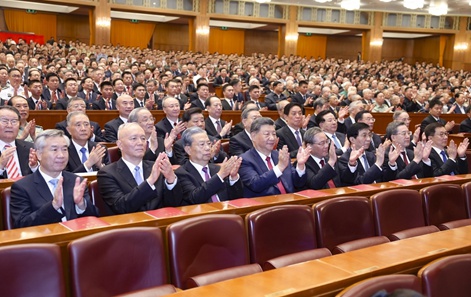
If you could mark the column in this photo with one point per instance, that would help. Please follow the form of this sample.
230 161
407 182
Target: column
100 25
289 34
461 47
372 40
199 29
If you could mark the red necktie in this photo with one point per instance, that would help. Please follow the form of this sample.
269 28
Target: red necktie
404 157
54 97
279 184
12 166
330 183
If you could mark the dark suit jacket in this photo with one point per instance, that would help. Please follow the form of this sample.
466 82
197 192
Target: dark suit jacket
226 105
163 126
348 123
121 192
137 105
101 105
111 129
22 149
96 130
181 157
376 142
239 144
236 129
47 94
94 97
318 178
196 191
458 110
465 126
279 123
297 97
32 106
443 168
261 104
61 104
75 161
219 81
31 201
407 172
197 103
286 137
259 181
211 129
272 99
429 120
341 138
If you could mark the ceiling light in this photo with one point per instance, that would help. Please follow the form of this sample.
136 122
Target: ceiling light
262 1
385 0
413 4
438 8
350 4
323 1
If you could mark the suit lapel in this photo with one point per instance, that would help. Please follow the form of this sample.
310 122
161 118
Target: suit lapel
74 159
123 170
193 172
42 187
68 184
23 157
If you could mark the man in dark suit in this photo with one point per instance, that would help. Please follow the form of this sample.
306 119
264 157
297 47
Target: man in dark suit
292 134
276 96
254 92
266 172
222 78
358 165
151 93
71 89
327 121
202 181
435 110
17 156
202 92
409 164
77 104
36 102
171 107
125 105
321 168
50 195
301 96
139 95
214 125
242 142
458 107
105 100
445 159
84 155
132 184
194 117
354 108
465 125
280 121
367 118
228 102
88 93
52 93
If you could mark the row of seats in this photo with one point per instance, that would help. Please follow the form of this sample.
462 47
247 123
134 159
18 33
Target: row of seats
448 276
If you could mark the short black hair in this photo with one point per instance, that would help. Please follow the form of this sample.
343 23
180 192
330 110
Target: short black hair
355 129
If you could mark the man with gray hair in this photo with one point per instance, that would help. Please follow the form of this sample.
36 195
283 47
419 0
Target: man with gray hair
132 184
204 182
242 142
354 108
50 195
265 171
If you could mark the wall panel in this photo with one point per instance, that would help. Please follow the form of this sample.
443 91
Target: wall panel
427 49
312 46
229 41
73 27
343 47
259 41
396 48
171 37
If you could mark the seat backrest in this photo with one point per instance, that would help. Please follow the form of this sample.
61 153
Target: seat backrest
397 210
31 270
205 244
389 283
114 154
6 217
466 187
447 276
98 201
280 230
443 203
117 261
343 219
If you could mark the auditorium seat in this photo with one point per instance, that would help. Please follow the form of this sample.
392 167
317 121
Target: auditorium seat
223 274
159 291
389 283
398 214
445 206
6 215
345 224
447 276
95 195
205 244
466 187
282 235
225 146
31 270
117 261
114 154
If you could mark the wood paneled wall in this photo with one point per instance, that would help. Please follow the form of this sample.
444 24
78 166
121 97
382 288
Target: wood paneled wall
258 41
312 46
427 49
229 41
169 37
73 27
343 47
395 48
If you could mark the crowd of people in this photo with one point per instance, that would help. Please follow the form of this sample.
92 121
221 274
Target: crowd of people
335 146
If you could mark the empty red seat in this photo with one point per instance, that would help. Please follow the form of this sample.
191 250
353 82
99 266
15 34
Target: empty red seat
345 224
95 195
6 216
398 214
388 283
282 235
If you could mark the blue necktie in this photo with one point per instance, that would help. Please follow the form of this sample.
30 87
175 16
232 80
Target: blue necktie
365 161
336 141
298 138
84 154
444 158
54 182
137 175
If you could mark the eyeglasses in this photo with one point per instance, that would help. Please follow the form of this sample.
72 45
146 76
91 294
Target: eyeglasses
370 119
442 134
404 133
322 143
145 120
5 122
366 135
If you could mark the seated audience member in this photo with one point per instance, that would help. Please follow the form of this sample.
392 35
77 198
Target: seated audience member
202 94
358 165
88 93
71 90
446 160
367 118
50 195
465 125
105 100
242 142
265 171
84 155
318 105
321 170
155 145
194 117
354 108
214 125
132 184
171 107
228 102
280 121
301 96
202 181
409 163
276 96
292 134
17 156
328 124
52 93
124 105
401 116
255 92
435 111
28 130
380 104
36 101
239 127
